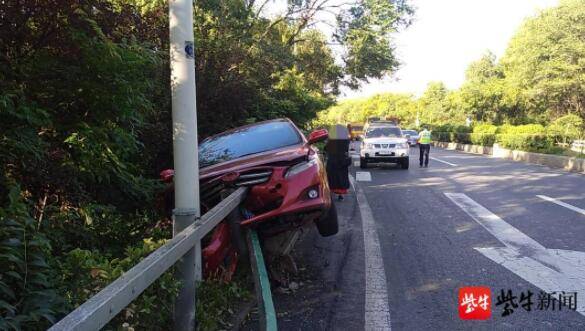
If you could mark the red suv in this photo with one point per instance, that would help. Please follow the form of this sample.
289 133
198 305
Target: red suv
286 179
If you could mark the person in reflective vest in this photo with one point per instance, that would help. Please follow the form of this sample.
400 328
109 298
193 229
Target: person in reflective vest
424 146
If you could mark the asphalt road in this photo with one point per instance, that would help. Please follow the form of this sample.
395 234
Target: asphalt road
429 242
410 239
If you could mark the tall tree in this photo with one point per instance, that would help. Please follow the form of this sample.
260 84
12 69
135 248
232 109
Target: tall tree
546 60
482 93
434 103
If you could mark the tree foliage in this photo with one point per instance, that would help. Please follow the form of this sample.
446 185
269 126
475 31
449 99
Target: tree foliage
546 61
539 79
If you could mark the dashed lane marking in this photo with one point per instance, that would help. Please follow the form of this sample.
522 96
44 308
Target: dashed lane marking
564 204
552 270
377 310
363 176
448 163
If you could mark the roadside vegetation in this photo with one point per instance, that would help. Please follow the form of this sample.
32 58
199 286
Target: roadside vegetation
85 128
532 98
556 138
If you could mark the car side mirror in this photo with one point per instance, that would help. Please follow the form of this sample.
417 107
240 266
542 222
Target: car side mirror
318 135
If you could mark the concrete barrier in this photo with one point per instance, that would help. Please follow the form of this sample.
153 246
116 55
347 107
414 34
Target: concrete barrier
567 163
578 146
572 164
475 149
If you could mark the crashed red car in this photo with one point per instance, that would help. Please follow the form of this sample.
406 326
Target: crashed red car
286 178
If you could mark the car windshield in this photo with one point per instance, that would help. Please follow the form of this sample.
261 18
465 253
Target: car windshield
383 132
247 141
410 132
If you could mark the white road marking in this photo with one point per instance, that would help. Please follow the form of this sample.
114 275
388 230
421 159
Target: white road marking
552 270
377 309
560 203
363 176
355 156
356 163
448 163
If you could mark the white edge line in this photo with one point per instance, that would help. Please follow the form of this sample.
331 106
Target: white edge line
377 309
560 203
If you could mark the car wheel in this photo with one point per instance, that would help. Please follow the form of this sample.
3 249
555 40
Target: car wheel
328 225
405 163
363 163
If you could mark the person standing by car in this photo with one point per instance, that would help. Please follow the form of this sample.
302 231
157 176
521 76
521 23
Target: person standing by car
424 146
338 160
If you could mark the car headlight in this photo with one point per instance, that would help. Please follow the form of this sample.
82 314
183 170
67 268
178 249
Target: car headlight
402 145
301 167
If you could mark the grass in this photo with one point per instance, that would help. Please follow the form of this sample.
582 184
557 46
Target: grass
218 301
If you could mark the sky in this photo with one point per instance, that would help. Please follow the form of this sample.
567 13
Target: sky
446 36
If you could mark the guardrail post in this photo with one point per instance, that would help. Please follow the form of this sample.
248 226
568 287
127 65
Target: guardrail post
184 309
186 164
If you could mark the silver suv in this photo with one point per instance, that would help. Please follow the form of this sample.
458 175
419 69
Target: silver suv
384 143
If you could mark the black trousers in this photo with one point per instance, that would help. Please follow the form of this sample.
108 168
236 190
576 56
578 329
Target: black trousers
424 149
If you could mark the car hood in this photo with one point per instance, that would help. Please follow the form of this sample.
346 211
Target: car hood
385 140
282 155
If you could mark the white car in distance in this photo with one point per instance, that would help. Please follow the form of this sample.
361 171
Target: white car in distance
384 143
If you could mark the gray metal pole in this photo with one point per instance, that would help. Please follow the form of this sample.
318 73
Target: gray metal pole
186 164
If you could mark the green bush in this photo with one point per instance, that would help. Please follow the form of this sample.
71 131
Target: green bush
526 129
84 273
28 299
441 136
484 134
528 137
451 133
218 301
524 142
567 128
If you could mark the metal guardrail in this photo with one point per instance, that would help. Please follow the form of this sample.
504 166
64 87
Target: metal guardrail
95 313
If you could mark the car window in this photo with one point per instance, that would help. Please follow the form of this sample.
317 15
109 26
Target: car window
247 141
410 132
383 132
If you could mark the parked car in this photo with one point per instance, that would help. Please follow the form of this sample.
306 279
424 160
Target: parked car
384 143
286 178
411 137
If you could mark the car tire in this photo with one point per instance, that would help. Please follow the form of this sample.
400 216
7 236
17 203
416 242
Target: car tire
405 163
328 225
363 163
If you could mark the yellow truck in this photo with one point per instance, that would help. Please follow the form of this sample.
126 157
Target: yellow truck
357 130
